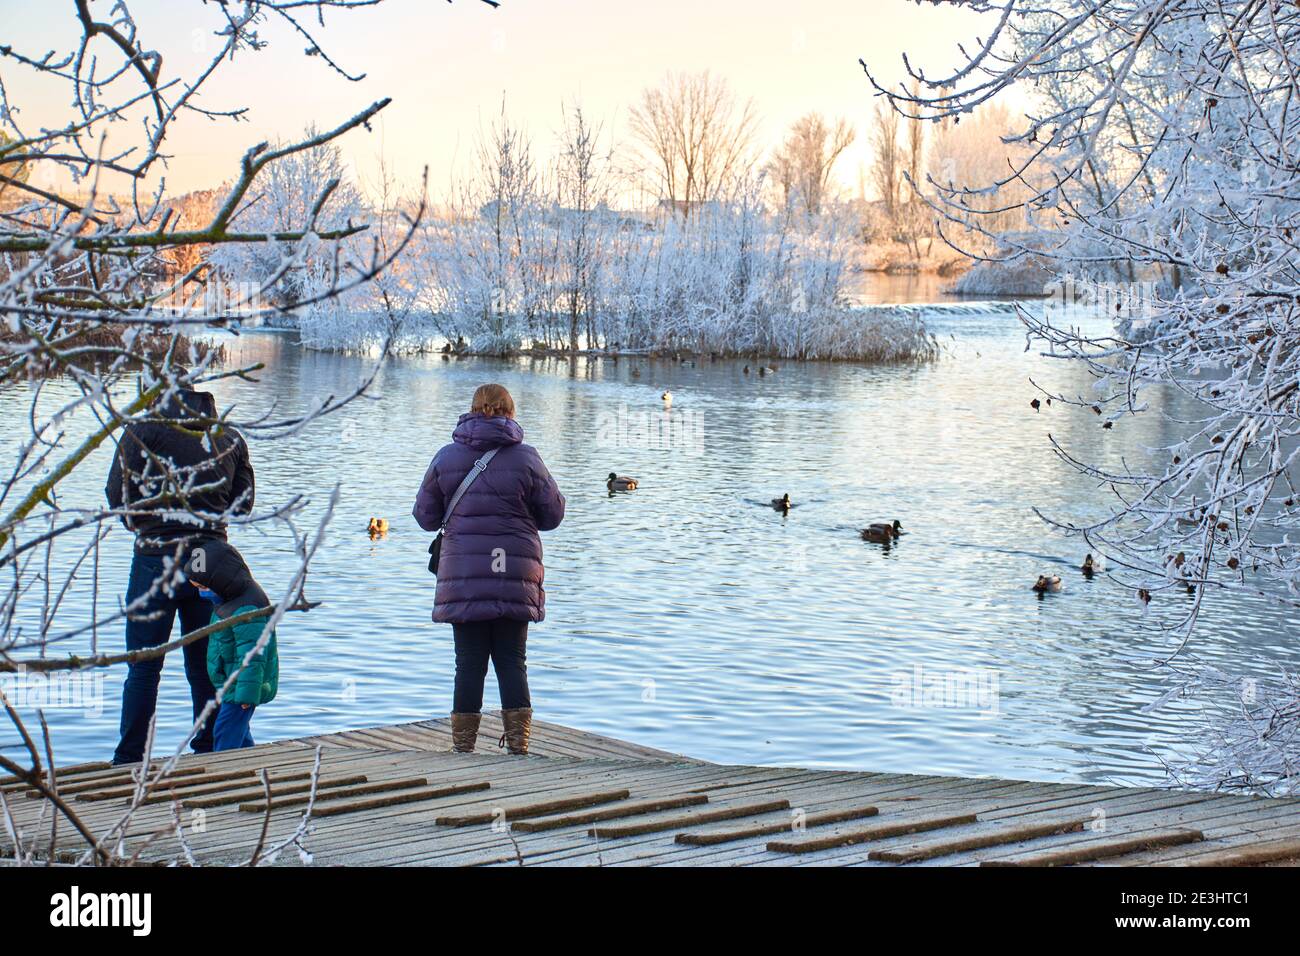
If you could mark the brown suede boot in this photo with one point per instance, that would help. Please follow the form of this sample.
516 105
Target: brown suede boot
464 732
518 723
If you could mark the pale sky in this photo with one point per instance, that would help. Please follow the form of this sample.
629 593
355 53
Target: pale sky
448 66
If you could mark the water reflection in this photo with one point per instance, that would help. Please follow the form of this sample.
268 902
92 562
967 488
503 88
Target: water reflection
693 617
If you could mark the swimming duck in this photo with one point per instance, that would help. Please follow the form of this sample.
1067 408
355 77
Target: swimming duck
888 529
617 482
746 370
783 503
667 396
377 528
1048 584
879 533
1090 565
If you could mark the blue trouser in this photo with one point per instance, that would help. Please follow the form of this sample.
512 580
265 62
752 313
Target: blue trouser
504 642
150 626
233 727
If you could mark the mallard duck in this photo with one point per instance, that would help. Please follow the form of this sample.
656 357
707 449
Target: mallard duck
746 370
1048 584
377 528
782 503
892 529
617 482
667 397
1090 565
879 533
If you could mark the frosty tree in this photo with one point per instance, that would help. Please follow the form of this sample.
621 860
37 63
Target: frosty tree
1161 152
101 297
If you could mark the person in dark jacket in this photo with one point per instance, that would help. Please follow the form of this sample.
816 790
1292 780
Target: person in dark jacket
176 478
218 567
490 568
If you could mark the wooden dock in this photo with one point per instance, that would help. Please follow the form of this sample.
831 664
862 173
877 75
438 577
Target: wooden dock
396 796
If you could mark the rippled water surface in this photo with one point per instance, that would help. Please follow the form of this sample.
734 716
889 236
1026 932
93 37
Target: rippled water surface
690 617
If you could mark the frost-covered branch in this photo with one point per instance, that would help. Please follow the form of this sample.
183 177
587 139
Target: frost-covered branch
1156 173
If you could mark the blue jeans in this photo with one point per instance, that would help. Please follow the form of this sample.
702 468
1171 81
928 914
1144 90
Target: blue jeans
233 727
504 642
149 627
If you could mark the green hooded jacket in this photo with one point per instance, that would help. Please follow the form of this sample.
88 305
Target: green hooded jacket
258 682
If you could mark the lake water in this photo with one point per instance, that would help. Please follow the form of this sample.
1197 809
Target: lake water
690 616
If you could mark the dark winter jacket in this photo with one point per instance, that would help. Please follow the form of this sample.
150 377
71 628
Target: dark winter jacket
220 465
491 561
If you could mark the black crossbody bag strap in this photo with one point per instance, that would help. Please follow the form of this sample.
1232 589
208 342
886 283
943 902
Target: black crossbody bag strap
435 547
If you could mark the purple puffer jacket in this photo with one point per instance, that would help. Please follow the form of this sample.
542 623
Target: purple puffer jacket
491 561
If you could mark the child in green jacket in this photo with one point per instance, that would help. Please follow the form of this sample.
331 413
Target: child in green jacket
218 567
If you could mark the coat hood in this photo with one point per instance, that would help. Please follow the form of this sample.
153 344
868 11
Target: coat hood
482 433
220 568
186 403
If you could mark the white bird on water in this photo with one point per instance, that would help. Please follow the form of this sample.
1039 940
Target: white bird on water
667 396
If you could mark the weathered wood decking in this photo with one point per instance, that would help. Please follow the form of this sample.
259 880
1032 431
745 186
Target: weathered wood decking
396 796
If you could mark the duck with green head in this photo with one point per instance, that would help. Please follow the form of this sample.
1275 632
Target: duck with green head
882 531
616 482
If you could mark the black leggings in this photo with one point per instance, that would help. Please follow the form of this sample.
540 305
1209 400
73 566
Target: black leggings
504 641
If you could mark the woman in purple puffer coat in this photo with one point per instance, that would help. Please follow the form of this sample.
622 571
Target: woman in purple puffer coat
490 568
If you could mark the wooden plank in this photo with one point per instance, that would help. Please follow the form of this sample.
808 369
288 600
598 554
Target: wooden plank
645 780
393 799
1261 827
301 799
548 779
1270 852
692 819
252 793
1217 816
877 832
1234 828
10 782
628 809
997 836
356 837
545 808
114 780
555 739
168 783
1100 849
818 790
171 794
713 837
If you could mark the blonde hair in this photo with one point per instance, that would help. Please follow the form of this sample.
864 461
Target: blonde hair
493 401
